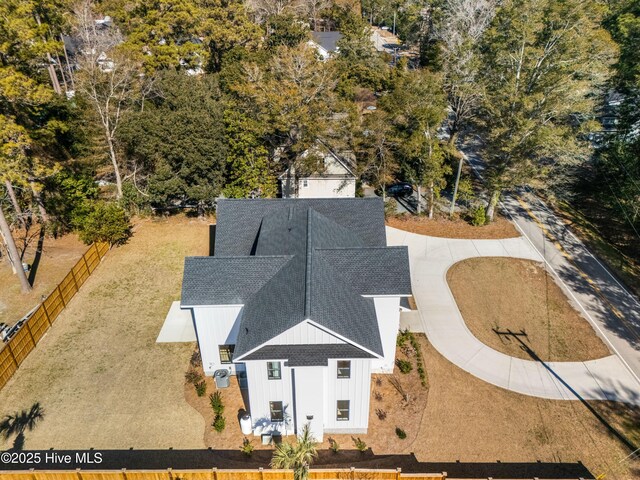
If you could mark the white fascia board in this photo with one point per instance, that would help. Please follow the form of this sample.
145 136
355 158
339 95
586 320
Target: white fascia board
388 296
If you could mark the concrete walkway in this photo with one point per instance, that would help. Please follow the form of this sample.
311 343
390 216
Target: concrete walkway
603 379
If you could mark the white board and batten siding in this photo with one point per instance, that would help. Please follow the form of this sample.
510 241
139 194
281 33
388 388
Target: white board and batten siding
388 314
263 390
356 389
215 326
304 334
310 408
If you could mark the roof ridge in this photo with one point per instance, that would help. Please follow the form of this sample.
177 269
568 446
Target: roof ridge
229 257
388 247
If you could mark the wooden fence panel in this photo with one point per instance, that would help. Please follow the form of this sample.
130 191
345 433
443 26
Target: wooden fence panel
21 345
54 305
54 475
104 475
92 258
102 248
38 324
67 288
151 475
8 365
80 272
192 475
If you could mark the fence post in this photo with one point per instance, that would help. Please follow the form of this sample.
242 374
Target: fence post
124 474
353 473
84 259
261 470
169 475
75 282
26 324
64 304
78 474
398 472
13 357
214 473
46 314
444 475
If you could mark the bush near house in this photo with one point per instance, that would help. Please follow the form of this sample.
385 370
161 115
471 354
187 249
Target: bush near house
404 365
401 433
247 447
219 423
107 222
216 403
201 388
359 444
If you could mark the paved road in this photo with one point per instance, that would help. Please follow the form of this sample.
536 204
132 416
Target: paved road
611 309
602 379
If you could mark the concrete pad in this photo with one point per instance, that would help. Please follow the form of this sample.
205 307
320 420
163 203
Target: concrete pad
178 326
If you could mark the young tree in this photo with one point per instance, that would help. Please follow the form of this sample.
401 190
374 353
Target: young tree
298 456
376 151
108 79
542 62
14 256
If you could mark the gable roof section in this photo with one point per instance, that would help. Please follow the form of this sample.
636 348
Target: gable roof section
368 271
226 280
239 221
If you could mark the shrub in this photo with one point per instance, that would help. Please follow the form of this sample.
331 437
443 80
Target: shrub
216 403
247 446
107 222
219 423
333 445
401 433
193 377
402 338
382 415
478 216
201 388
196 359
359 444
377 395
404 365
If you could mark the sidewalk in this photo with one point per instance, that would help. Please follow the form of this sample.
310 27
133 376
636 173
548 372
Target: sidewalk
603 379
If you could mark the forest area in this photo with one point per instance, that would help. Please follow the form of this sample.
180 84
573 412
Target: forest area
111 109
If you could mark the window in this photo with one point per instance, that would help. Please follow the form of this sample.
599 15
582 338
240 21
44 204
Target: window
226 353
277 412
273 370
344 368
305 183
343 410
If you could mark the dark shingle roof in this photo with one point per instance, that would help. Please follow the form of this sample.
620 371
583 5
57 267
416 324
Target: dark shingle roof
303 245
369 271
307 355
327 40
239 221
226 280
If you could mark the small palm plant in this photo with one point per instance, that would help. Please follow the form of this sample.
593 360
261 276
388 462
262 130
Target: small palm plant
20 422
297 457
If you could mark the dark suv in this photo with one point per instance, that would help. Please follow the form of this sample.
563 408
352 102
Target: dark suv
402 189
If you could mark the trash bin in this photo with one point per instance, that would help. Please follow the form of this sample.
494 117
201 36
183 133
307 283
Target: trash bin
245 424
222 378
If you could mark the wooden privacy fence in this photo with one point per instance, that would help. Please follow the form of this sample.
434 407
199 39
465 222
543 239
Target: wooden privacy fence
215 474
13 353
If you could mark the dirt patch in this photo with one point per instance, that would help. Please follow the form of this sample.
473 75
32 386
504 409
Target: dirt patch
441 227
98 373
519 295
57 258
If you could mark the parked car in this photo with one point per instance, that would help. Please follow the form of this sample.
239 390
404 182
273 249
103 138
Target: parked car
402 189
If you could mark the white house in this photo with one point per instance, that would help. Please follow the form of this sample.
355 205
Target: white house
301 300
334 179
325 43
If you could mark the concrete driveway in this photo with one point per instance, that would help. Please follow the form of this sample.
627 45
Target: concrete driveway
603 379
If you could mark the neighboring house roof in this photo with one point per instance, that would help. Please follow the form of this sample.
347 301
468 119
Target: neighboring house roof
327 40
291 250
339 161
307 355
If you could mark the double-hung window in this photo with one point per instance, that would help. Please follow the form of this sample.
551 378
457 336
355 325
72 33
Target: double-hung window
276 411
344 368
342 410
226 353
274 371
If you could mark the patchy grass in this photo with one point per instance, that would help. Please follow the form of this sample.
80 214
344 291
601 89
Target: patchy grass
98 373
519 295
442 227
58 256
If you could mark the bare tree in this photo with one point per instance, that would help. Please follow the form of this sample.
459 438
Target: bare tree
108 78
14 256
